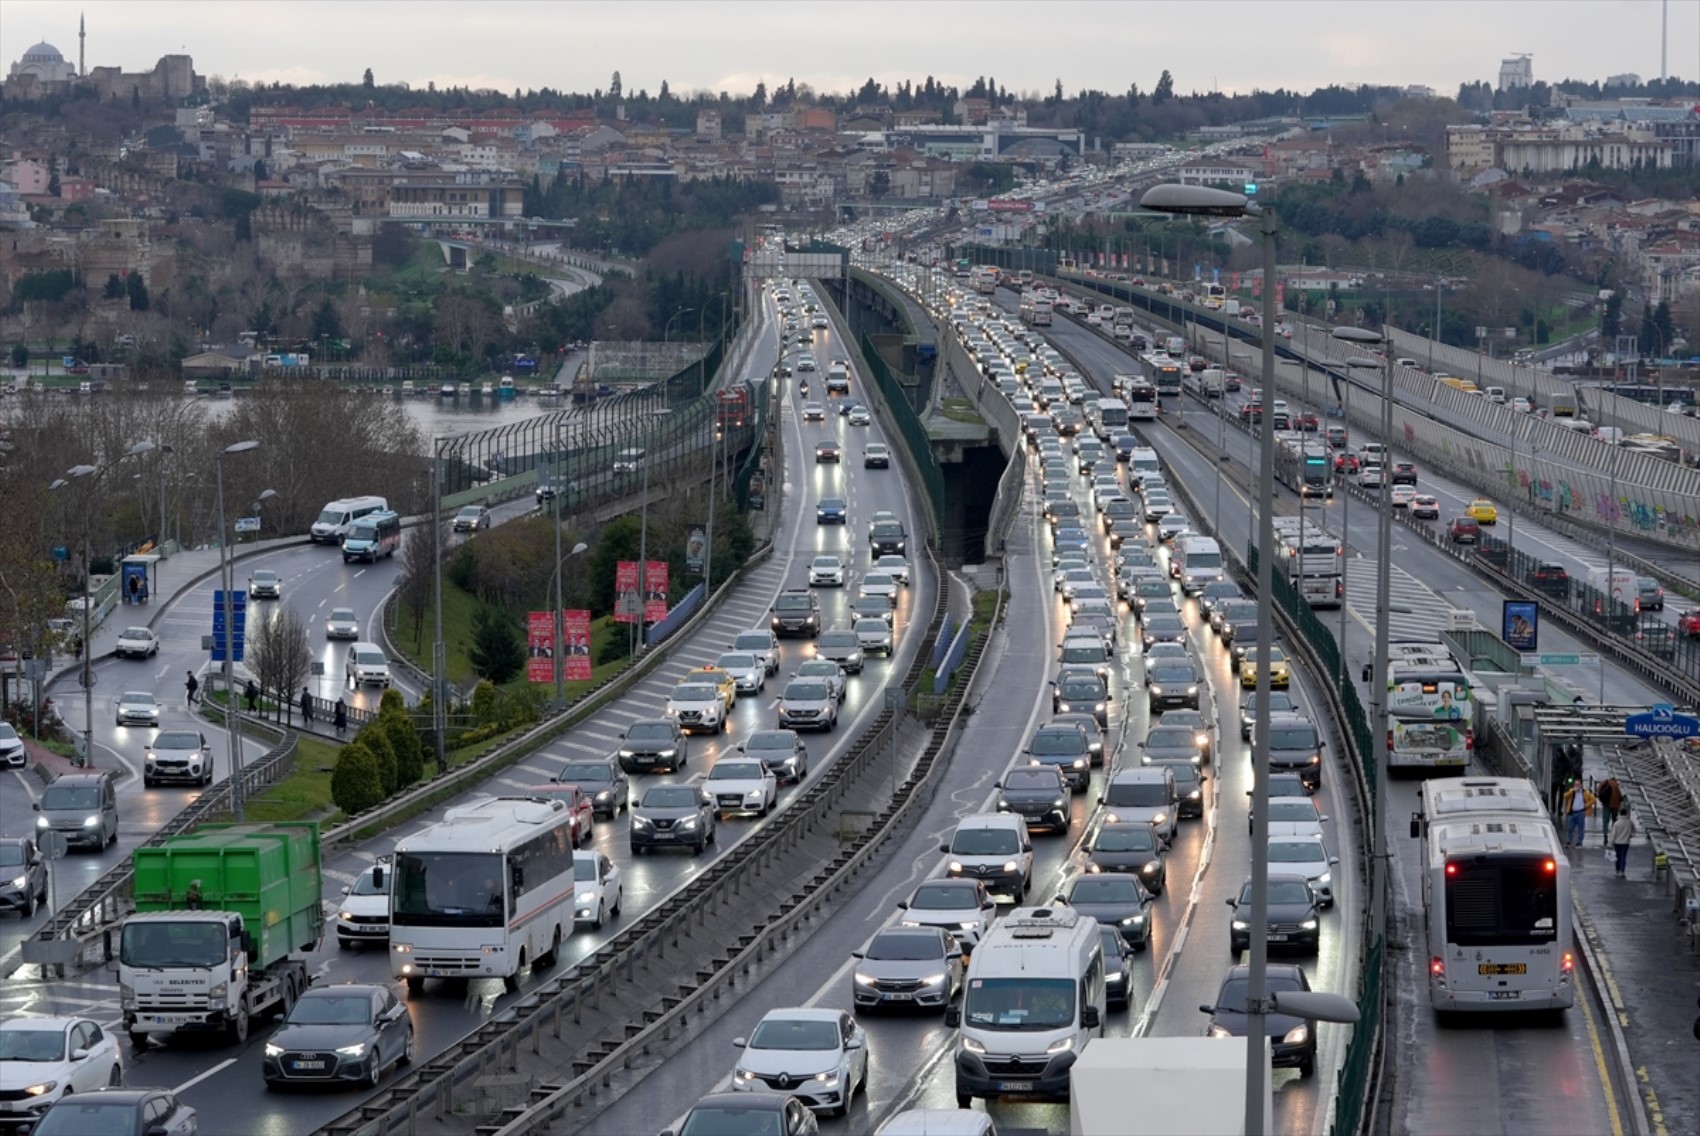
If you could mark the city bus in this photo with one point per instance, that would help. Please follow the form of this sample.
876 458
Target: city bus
1496 898
483 893
1141 398
1214 295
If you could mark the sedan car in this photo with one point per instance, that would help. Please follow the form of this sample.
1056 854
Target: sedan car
769 1113
761 643
1292 1040
673 816
841 646
1118 968
472 518
137 708
1482 511
1290 816
363 914
880 583
875 636
264 584
12 753
781 751
858 416
828 452
654 743
907 966
1114 899
600 779
818 1055
177 755
342 623
831 511
1166 742
961 906
1305 856
1425 507
1129 847
350 1032
1280 676
814 412
894 566
741 785
119 1112
598 889
1294 918
136 643
45 1059
1401 496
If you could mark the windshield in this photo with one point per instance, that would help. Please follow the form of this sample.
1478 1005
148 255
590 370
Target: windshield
1233 993
342 615
793 1033
837 639
584 868
1296 852
650 732
11 855
1031 779
1177 675
806 692
1292 737
462 889
32 1044
695 692
753 641
736 771
905 946
1020 1003
1105 889
1057 742
771 739
584 772
328 1009
792 603
828 563
367 884
670 797
364 531
984 842
70 797
1132 838
84 1117
757 1118
370 658
1138 794
1204 560
942 897
332 517
1281 891
1087 653
1082 689
1292 811
1505 899
1153 588
177 741
742 661
173 944
1169 737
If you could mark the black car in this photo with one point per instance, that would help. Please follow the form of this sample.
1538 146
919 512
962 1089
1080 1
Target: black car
781 751
1189 788
888 538
652 744
1118 968
796 612
118 1112
1292 1039
1295 747
1082 692
1039 794
1094 733
1133 848
1153 592
1172 684
1194 721
1280 702
23 875
1154 629
1553 579
1114 899
1164 742
1295 916
346 1033
1125 445
602 780
676 816
718 1114
1066 747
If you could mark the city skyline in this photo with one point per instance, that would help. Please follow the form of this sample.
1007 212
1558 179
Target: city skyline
744 42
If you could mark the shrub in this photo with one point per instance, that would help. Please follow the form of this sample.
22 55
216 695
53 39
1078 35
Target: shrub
405 743
377 739
356 784
486 702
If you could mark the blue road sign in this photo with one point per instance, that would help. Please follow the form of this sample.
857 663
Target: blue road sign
238 638
1661 721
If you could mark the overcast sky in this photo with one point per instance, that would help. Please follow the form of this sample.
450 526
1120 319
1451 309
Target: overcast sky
729 45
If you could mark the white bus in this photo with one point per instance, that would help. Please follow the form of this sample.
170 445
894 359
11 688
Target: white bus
1496 898
1035 311
1110 418
1141 401
484 893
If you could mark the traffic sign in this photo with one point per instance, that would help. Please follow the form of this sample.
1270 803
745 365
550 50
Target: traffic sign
1661 721
238 636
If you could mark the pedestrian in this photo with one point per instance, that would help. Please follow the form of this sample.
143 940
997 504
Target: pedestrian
253 693
1577 803
1622 832
193 685
341 716
1610 795
306 705
135 589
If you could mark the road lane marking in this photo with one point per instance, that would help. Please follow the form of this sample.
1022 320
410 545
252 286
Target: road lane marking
199 1077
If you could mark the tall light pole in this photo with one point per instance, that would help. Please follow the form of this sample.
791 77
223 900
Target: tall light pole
95 473
226 564
439 677
560 631
1378 676
667 331
643 548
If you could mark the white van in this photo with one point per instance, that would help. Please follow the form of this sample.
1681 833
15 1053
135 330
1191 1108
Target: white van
1200 559
629 460
939 1122
336 517
994 849
1143 462
367 664
1619 583
1176 347
1033 1000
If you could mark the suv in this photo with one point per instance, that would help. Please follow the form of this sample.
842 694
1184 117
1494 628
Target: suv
1038 794
368 664
841 646
1064 746
23 875
654 743
1553 579
1145 795
808 704
678 815
888 538
177 755
1404 473
796 612
83 806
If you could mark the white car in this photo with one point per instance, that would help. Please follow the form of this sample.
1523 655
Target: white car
1403 495
1369 477
265 584
136 643
1171 526
832 672
1424 506
894 566
342 623
742 785
859 416
1306 856
880 584
1157 506
44 1059
826 572
367 663
598 889
137 708
818 1055
363 916
748 670
697 707
763 644
11 747
875 636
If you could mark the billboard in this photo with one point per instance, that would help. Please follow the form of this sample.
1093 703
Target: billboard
628 605
540 646
695 544
1521 625
655 592
1009 205
575 633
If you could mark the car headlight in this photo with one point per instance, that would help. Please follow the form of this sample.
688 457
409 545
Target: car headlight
149 758
639 821
1133 920
955 865
743 1076
1220 1031
1201 739
830 1077
866 979
586 897
972 1046
1010 865
1315 759
345 916
92 822
355 1050
1192 690
1308 925
1239 925
1064 708
273 1049
968 925
1298 1035
933 980
1156 691
1061 1046
1160 818
41 1089
605 795
1326 879
1059 803
688 822
624 752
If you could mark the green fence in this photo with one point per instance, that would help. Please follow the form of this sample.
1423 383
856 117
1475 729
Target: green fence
913 430
1352 1083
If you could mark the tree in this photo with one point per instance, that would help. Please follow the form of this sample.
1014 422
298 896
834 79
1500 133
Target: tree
20 354
496 650
377 738
366 80
327 324
404 738
138 290
355 782
879 183
260 171
1664 328
1649 332
416 577
1164 90
614 88
1611 317
114 287
280 657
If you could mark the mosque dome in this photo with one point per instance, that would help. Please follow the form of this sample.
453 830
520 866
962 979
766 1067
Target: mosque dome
43 52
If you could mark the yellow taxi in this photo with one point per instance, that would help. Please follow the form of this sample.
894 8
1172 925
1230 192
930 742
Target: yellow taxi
1483 511
718 678
1279 675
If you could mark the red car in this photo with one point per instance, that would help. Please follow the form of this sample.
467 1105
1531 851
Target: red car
1345 462
1464 530
1688 623
579 805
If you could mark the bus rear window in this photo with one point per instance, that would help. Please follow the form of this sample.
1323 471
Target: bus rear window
1503 901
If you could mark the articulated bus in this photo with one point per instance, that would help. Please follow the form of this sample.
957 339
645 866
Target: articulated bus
483 893
1496 897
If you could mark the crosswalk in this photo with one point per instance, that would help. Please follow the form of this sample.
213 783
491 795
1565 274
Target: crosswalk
1417 611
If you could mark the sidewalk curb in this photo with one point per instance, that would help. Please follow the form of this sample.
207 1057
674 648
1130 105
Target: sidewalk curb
1636 1106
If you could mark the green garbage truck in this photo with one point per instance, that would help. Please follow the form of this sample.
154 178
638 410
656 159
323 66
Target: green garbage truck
222 917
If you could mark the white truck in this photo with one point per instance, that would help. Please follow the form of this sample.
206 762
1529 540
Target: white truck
1162 1086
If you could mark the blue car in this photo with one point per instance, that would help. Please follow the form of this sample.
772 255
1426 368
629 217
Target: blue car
831 511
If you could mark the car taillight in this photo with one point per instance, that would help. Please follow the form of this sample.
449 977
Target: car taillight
1469 739
1437 967
1568 963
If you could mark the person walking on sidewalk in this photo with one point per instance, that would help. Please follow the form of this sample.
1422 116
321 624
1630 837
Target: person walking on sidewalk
341 717
253 693
1610 795
1622 832
306 705
193 686
1578 802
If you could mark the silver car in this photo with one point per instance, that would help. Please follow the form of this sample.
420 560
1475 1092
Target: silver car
907 966
137 708
831 673
748 670
763 644
342 623
842 647
874 634
808 704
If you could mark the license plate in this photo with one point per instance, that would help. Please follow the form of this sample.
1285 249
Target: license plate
1504 995
1015 1086
899 997
1277 938
1503 968
643 759
308 1064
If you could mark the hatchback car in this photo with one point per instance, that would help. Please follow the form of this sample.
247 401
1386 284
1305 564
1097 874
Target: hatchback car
264 584
1550 578
1292 1039
747 669
600 779
1280 702
12 753
907 966
342 623
828 452
841 646
137 708
599 891
831 511
818 1055
961 906
472 518
1293 915
119 1112
1650 592
781 751
894 566
346 1033
1115 900
763 644
136 643
43 1060
1305 856
673 816
1464 530
1280 675
826 572
875 636
1132 847
363 913
1038 794
23 876
1425 507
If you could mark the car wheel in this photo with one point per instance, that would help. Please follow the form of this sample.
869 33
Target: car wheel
637 850
373 1072
1307 1067
701 847
406 1055
963 1100
415 984
619 898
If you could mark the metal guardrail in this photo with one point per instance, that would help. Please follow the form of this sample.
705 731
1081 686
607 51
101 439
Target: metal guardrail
430 1090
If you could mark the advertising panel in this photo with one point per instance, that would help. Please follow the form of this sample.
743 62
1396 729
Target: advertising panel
655 592
628 605
575 630
695 543
540 646
1521 625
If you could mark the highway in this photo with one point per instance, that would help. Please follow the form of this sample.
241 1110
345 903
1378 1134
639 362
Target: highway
209 1074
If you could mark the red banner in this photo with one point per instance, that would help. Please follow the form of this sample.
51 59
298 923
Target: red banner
628 605
575 631
655 592
540 647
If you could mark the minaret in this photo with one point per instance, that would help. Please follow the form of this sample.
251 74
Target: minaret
82 47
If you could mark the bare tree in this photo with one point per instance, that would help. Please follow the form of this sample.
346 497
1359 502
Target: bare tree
414 582
280 657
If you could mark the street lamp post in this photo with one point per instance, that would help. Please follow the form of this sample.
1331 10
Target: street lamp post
667 331
643 549
439 679
232 725
560 631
